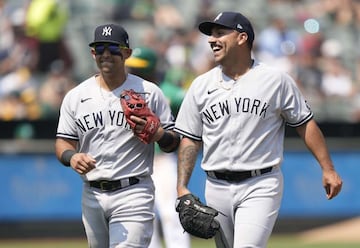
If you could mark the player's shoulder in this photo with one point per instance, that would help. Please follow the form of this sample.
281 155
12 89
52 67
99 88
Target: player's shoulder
207 79
83 87
140 84
266 71
213 73
260 66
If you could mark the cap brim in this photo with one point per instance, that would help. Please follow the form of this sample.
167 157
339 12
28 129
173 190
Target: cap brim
105 41
206 27
136 63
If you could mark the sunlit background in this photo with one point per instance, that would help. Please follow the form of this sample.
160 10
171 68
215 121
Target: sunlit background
44 53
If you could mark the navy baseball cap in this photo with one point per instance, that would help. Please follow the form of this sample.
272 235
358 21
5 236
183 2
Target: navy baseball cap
111 33
230 20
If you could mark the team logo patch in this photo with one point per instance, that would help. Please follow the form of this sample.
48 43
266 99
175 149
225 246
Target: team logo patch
212 91
152 126
107 31
84 99
187 202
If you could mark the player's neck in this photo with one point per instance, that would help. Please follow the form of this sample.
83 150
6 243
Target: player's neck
235 71
109 82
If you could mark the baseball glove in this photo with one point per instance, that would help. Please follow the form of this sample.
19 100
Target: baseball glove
134 104
197 218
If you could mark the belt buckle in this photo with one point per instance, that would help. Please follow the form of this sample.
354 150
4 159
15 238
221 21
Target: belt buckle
255 173
211 174
102 185
125 182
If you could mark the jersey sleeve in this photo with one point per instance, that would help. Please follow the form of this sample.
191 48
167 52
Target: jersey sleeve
188 122
160 106
295 109
66 125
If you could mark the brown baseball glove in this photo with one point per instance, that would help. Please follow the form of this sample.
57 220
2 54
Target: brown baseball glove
134 104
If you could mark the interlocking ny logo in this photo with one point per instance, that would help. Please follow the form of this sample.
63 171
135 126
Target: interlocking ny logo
107 31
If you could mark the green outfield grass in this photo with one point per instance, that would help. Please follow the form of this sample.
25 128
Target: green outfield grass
277 241
291 241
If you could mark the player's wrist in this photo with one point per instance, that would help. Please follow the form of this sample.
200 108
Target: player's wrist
66 157
182 190
159 134
169 141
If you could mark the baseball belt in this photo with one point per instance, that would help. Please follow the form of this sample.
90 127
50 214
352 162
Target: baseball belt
106 185
237 176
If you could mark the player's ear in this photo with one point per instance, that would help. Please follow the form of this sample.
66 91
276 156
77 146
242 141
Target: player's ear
242 38
93 53
127 53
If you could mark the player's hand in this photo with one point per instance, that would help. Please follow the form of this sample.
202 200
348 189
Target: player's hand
332 183
144 123
140 125
82 163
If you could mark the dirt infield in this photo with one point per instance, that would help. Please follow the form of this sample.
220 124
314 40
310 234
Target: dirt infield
344 231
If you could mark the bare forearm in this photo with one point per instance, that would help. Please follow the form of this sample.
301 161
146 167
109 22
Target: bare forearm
187 155
62 145
315 142
67 154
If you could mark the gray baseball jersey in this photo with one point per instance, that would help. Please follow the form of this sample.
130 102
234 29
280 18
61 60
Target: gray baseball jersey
94 117
242 122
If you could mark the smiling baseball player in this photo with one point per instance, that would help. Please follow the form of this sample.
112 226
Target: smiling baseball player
101 138
236 113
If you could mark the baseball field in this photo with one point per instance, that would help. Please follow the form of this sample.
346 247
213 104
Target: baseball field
277 241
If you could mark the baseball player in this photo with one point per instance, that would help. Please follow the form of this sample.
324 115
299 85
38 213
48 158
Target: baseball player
95 139
143 62
236 113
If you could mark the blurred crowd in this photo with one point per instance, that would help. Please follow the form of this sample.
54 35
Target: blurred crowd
44 47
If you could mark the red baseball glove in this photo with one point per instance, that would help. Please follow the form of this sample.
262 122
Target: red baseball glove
134 104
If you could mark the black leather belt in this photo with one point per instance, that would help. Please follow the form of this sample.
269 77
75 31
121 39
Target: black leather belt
106 185
237 176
